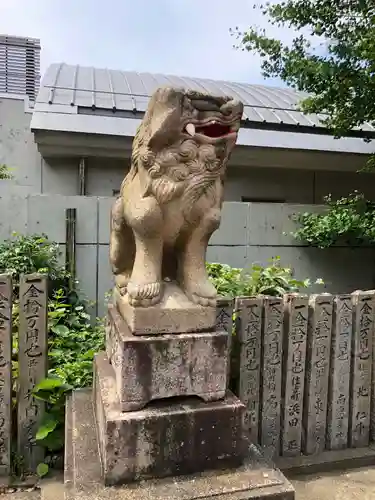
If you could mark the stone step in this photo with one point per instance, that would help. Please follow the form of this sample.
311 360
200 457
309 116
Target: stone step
255 480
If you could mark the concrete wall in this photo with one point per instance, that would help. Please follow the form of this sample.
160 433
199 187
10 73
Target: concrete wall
18 150
249 233
60 175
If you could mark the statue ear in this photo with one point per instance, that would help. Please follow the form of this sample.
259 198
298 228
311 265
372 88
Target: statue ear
164 120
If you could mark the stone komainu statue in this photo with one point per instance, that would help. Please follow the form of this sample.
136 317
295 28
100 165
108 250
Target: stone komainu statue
170 201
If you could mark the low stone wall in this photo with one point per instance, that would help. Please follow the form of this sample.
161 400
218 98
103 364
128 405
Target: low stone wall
303 368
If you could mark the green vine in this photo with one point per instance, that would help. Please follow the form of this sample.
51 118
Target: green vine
346 221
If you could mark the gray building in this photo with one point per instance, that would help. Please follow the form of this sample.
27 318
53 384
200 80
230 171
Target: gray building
72 150
19 65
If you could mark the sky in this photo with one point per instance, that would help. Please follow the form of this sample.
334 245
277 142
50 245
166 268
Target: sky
176 37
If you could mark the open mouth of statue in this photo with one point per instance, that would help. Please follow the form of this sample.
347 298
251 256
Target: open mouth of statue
212 129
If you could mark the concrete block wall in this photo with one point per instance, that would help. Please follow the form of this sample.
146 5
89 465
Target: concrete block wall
249 233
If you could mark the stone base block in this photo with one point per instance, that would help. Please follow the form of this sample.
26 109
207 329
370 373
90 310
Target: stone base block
256 479
167 438
164 366
174 314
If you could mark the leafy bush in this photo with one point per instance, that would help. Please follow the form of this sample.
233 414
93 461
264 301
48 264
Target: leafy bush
5 173
72 344
349 220
273 280
32 254
72 341
72 338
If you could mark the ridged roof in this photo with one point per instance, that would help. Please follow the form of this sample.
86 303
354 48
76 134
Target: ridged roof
122 93
116 90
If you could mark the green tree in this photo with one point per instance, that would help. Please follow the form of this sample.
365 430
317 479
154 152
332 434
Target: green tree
332 56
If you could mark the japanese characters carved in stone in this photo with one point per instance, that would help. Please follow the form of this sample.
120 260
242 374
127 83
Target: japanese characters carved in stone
170 201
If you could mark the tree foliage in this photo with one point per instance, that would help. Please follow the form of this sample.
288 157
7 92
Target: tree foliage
331 56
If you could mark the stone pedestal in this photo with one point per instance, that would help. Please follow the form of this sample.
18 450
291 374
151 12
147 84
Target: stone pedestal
162 366
161 402
256 479
166 438
174 314
161 409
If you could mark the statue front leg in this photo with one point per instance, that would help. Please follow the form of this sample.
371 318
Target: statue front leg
194 277
121 247
145 218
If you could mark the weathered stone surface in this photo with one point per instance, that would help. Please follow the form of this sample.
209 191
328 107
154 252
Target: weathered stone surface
170 201
271 374
256 479
32 361
163 366
224 322
362 344
317 367
339 379
224 314
165 438
249 332
174 314
5 374
293 383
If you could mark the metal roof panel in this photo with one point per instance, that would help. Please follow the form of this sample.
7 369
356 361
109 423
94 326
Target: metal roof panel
129 91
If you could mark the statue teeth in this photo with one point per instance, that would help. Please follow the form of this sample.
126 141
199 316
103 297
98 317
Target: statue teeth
190 129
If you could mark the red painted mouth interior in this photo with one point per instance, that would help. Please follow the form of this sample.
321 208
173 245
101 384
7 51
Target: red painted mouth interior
214 130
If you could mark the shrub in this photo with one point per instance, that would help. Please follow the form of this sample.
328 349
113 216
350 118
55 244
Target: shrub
349 220
273 280
5 173
32 254
72 338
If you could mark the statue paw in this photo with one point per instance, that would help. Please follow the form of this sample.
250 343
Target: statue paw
202 301
122 290
144 294
203 294
121 281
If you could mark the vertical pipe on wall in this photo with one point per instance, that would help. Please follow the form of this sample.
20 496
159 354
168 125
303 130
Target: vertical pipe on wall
70 256
82 174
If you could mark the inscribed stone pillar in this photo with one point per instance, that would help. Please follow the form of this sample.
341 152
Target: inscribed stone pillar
249 333
224 321
271 374
363 319
295 335
32 364
317 367
339 379
5 374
